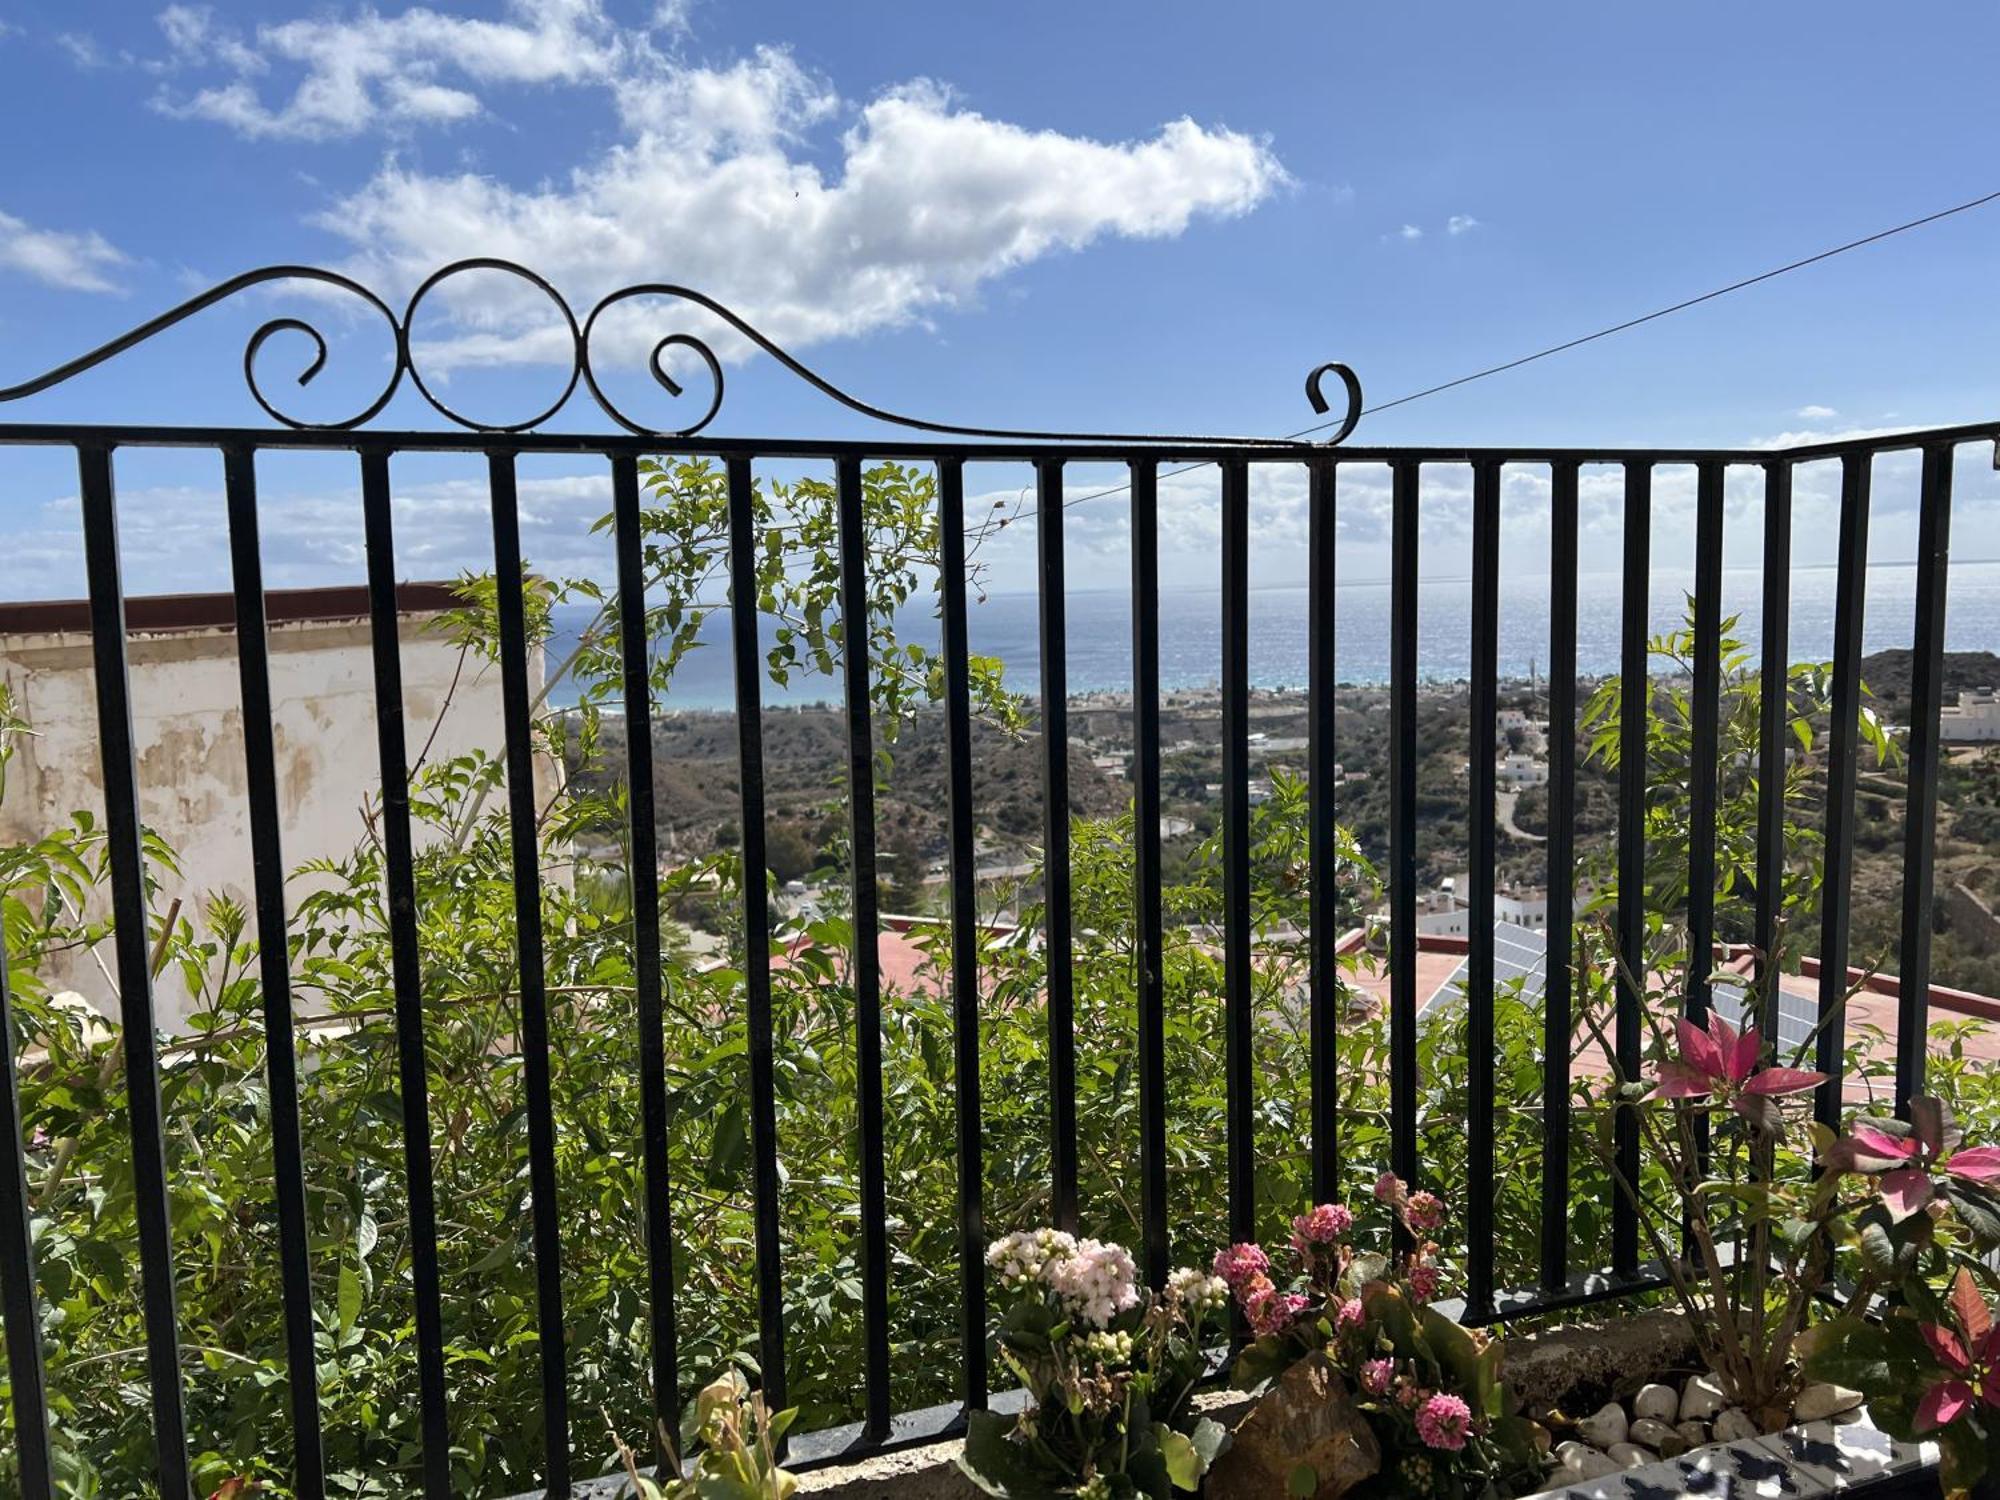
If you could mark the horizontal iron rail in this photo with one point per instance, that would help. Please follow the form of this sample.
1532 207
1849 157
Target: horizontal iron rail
599 443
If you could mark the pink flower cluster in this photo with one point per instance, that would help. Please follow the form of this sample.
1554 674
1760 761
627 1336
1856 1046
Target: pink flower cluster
1323 1226
1444 1421
1239 1263
1376 1375
1271 1311
1424 1212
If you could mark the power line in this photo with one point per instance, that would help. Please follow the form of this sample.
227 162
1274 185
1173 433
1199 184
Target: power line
1568 344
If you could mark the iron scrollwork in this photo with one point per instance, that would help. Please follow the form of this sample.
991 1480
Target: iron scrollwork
582 370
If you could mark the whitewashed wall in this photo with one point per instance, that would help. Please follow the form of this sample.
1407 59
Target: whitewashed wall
187 720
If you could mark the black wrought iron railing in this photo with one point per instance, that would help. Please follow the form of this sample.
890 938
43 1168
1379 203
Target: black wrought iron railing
954 450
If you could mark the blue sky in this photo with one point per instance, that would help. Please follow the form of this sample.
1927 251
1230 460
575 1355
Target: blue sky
1110 216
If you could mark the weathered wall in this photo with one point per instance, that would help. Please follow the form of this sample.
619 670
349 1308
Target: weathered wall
187 721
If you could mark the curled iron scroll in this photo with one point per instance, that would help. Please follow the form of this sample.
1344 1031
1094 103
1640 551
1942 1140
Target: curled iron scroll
581 367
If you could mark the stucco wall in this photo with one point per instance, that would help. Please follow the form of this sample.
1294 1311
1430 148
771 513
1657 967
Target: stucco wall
188 728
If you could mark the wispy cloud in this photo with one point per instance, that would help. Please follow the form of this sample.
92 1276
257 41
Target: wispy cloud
1409 232
1460 224
1815 413
79 261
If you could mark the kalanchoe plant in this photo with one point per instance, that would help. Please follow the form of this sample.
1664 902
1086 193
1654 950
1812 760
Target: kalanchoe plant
1428 1387
735 1441
1918 1339
1110 1372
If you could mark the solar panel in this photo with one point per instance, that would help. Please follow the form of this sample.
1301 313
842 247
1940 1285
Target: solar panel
1519 954
1798 1014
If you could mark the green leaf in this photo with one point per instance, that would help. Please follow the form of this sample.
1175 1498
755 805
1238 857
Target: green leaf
1302 1481
349 1298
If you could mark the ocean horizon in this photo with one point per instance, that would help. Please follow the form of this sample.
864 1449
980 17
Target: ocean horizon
1099 634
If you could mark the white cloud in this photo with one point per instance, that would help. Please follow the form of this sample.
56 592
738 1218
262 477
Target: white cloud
77 261
1460 224
1409 232
1815 413
82 49
714 187
373 71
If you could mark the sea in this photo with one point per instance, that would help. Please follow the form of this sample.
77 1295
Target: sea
1099 631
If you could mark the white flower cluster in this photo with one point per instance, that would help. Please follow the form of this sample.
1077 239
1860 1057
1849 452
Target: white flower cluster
1095 1280
1198 1291
1024 1256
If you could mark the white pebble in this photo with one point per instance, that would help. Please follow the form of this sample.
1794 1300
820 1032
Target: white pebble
1605 1426
1820 1401
1734 1425
1702 1398
1651 1432
1581 1461
1631 1455
1659 1402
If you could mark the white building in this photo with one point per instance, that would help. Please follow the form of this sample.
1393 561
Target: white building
1443 912
187 722
1976 718
1521 770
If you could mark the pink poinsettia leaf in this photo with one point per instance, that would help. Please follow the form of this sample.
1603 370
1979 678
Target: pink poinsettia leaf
1944 1402
1760 1112
1973 1315
1679 1081
1869 1150
1976 1164
1905 1191
1931 1123
1698 1048
1946 1347
1741 1061
1775 1081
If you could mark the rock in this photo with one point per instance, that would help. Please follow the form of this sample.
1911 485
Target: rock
1820 1401
1662 1403
1581 1461
1603 1427
1543 1439
1733 1425
1651 1432
1631 1455
1542 1370
1702 1397
1693 1433
1306 1418
1857 1414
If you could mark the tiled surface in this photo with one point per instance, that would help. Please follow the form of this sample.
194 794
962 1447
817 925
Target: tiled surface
1819 1458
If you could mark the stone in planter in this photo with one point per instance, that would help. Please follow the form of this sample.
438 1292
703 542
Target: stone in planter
1819 1401
1306 1418
1660 1403
1651 1432
1630 1455
1702 1398
1693 1433
1604 1427
1733 1425
1580 1461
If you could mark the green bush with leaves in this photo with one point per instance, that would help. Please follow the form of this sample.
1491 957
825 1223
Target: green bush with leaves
218 1110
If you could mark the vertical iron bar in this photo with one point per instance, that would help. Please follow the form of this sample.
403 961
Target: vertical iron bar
1920 816
1147 917
855 636
1635 710
1480 904
1773 742
525 840
1558 1025
123 836
1403 819
1707 696
267 859
1055 842
964 932
643 875
1849 609
17 1275
1237 978
1323 834
406 971
747 654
